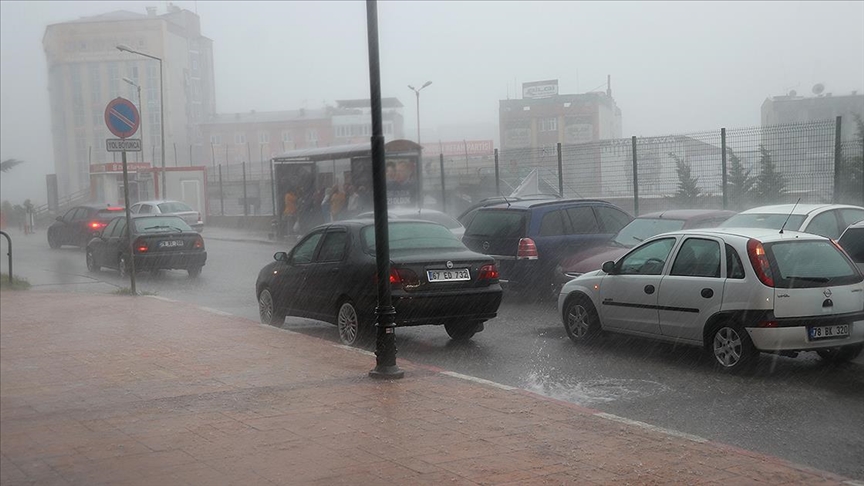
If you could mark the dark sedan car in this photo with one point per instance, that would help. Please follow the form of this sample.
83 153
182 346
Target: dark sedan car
640 229
158 243
330 275
80 223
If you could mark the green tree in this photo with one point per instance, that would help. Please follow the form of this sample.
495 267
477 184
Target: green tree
770 183
850 187
7 164
688 194
739 183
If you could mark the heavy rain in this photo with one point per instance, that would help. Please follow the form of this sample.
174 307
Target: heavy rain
625 242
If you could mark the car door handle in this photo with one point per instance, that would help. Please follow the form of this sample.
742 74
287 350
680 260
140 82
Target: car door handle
649 289
707 293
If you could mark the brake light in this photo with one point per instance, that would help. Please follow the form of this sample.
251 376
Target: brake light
527 249
199 244
759 260
488 272
403 276
96 225
141 246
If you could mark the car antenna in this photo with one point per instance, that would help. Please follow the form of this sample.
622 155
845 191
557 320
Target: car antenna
505 200
790 215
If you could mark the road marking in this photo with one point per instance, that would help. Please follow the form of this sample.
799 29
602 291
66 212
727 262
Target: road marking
216 311
636 423
164 299
478 380
356 350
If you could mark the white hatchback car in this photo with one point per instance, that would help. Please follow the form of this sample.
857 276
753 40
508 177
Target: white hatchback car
735 291
827 220
174 208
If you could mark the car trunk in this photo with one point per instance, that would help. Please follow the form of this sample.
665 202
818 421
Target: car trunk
438 271
190 217
496 231
167 243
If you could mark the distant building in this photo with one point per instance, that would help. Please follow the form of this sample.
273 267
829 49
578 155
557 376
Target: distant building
783 110
542 117
258 136
86 71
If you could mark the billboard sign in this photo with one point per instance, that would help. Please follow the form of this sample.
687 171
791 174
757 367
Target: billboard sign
474 148
540 89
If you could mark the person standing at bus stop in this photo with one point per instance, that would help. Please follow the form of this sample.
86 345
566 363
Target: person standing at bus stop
337 203
289 214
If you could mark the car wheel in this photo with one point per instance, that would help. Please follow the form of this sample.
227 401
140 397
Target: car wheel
352 332
461 331
91 262
53 242
267 309
841 355
580 319
194 272
732 347
123 266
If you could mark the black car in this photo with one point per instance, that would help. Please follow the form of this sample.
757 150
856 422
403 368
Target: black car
529 238
80 223
330 275
158 243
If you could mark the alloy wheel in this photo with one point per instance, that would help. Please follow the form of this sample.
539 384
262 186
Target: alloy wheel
728 348
578 321
348 324
265 306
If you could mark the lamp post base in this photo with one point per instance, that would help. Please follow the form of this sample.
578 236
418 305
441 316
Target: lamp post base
387 373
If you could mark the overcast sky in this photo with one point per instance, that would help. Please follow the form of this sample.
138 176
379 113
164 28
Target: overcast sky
676 67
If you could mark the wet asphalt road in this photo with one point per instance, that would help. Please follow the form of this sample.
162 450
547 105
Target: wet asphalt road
798 409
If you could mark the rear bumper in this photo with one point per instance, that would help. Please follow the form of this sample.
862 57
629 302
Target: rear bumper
174 260
797 339
441 307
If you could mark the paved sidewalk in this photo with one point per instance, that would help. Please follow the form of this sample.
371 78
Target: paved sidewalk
104 389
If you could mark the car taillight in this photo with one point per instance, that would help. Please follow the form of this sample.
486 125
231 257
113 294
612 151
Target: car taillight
199 244
488 272
403 276
759 260
527 249
141 246
97 225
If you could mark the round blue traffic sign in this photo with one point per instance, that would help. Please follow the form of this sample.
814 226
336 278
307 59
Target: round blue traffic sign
122 117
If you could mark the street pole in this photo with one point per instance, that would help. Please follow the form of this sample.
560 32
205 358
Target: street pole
129 227
385 341
420 152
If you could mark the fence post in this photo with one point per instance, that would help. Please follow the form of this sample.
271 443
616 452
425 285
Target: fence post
245 205
443 193
838 156
723 164
9 240
635 181
560 173
497 179
221 194
272 188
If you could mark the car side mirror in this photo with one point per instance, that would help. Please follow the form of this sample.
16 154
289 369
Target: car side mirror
609 267
97 234
281 256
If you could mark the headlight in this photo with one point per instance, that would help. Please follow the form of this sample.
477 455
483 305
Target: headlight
572 274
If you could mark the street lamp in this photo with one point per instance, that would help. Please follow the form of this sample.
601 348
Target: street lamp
417 92
140 110
125 48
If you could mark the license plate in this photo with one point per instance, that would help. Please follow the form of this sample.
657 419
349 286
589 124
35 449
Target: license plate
827 332
453 275
170 243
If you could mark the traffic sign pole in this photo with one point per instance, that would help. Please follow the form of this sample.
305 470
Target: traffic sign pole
129 227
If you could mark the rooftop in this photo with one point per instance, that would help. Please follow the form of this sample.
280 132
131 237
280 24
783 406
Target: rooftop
267 116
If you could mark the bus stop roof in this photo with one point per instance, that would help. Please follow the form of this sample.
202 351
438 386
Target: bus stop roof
345 151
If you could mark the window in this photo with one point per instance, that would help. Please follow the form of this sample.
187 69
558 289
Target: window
548 124
825 224
552 224
263 137
108 229
648 259
611 219
851 216
809 263
697 258
734 267
333 247
134 209
498 224
239 138
304 251
215 140
287 137
145 209
120 229
582 221
312 135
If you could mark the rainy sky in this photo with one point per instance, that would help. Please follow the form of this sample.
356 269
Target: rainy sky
676 67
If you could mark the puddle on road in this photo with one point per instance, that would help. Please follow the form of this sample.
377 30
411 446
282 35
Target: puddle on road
591 392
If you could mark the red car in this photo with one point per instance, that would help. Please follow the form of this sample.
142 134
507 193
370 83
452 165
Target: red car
638 230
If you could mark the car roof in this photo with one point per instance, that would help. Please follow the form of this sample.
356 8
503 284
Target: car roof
859 224
687 214
796 209
158 201
98 206
533 203
764 235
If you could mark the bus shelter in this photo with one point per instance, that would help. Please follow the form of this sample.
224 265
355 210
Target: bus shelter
319 180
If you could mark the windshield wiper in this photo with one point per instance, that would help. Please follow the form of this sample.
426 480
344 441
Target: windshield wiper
163 226
810 279
638 239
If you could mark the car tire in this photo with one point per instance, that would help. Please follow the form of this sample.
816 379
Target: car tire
267 310
842 354
194 272
91 262
352 330
460 331
580 319
731 348
53 242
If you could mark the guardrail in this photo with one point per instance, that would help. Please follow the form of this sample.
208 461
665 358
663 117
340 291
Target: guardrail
69 200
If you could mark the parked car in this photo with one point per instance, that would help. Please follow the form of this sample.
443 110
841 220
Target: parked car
80 223
467 215
529 238
445 219
158 243
827 220
852 241
639 230
735 292
331 273
173 208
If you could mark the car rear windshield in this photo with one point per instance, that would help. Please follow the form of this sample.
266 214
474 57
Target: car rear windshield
497 223
853 242
173 207
641 229
160 224
109 213
767 221
810 263
412 236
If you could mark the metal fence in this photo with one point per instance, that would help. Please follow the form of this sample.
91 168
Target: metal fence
734 169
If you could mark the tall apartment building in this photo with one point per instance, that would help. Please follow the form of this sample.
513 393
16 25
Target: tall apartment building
86 71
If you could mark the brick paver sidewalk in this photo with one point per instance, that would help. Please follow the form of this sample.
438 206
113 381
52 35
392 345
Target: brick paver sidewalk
103 389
